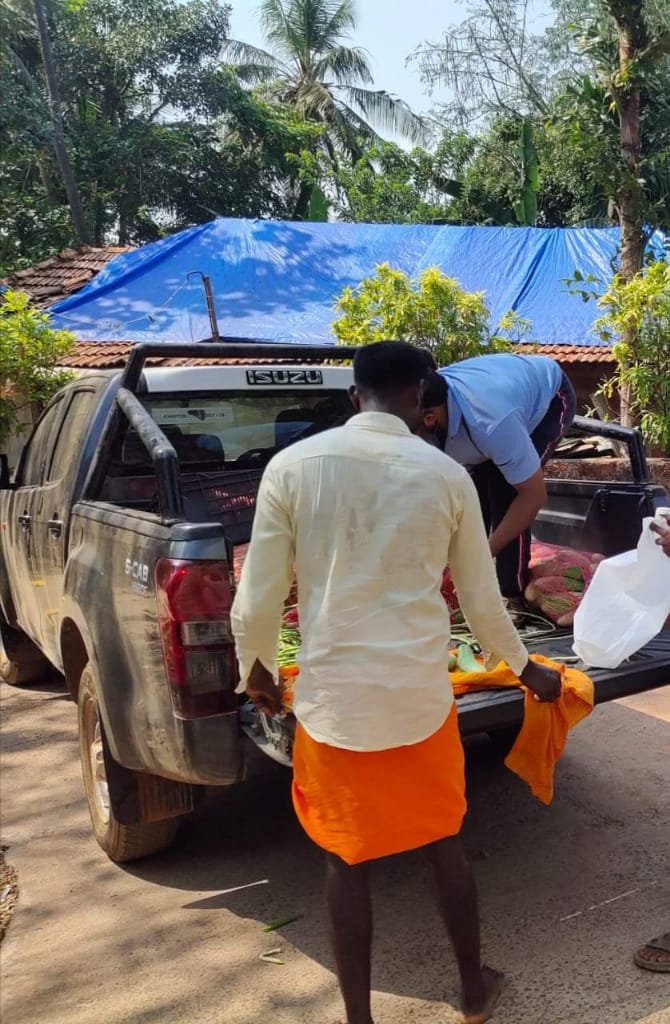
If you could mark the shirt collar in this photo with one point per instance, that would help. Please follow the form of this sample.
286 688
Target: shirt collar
383 422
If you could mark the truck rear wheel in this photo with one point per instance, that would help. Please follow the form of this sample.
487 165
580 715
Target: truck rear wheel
21 662
119 841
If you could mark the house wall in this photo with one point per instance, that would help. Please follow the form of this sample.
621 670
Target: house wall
586 378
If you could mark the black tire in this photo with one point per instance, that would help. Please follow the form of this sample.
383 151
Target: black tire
21 662
120 842
502 740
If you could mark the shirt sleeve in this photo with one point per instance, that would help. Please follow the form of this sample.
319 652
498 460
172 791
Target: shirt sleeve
266 579
509 446
474 576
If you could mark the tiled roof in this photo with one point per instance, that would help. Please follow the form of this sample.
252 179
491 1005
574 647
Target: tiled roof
576 353
89 355
62 275
113 355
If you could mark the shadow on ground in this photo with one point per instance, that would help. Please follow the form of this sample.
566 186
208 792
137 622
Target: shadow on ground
567 893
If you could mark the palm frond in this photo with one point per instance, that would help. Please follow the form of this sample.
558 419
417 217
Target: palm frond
335 19
364 130
348 132
387 112
281 26
252 64
347 65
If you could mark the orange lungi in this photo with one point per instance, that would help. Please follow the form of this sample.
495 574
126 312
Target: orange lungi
361 805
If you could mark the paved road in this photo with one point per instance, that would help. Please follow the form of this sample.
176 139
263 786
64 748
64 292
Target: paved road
567 893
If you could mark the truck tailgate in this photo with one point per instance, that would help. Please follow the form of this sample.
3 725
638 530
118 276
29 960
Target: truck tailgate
499 709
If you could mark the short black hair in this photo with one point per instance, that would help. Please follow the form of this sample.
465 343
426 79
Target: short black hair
429 357
434 390
387 367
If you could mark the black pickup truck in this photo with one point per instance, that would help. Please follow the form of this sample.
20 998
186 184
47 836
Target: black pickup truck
119 532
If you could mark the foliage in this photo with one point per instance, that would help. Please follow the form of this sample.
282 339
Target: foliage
616 110
30 351
492 63
637 321
391 186
159 133
434 313
310 68
568 81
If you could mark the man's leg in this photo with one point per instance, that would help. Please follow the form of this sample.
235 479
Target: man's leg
350 920
457 898
512 561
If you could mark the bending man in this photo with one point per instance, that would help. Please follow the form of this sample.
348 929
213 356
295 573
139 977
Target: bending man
367 515
502 417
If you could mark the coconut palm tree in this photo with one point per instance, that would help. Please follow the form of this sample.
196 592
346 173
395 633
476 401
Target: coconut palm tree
323 79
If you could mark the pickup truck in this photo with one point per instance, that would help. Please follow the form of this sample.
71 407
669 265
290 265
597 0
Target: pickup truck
119 531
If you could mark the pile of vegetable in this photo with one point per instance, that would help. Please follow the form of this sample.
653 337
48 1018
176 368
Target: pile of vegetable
287 653
559 578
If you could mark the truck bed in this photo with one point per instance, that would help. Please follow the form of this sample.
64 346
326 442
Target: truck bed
490 710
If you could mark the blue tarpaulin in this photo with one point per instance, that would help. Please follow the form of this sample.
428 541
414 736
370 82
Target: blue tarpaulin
278 281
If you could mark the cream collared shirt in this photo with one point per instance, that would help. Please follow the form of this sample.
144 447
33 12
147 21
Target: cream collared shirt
367 516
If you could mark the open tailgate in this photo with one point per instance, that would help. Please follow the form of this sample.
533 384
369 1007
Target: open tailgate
500 709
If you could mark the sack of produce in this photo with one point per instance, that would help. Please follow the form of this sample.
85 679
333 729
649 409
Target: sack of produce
559 578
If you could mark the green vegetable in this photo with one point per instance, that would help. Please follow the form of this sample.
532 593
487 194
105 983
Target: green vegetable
289 646
466 661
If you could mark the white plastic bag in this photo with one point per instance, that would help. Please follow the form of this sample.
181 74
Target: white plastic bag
626 604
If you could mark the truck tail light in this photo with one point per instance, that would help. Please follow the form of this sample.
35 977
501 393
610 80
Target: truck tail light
194 601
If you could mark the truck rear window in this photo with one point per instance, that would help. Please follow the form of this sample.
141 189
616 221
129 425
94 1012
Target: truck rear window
237 428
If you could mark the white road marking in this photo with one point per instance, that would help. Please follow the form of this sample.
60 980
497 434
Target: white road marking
605 903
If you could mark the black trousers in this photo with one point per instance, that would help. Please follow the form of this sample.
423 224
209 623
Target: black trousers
496 495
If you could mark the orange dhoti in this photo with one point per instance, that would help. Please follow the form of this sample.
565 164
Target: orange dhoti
361 805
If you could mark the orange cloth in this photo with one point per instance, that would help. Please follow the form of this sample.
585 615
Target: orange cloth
544 732
365 805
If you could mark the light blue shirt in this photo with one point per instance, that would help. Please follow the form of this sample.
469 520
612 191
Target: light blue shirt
494 403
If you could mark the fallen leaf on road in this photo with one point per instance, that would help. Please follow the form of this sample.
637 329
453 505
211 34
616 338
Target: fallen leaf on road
281 924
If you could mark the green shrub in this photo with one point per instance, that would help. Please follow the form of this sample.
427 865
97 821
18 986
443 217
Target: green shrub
30 351
637 323
433 312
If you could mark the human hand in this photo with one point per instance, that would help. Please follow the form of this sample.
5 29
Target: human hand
263 691
663 539
545 683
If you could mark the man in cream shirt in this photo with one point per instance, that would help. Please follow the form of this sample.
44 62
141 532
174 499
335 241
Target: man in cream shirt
367 516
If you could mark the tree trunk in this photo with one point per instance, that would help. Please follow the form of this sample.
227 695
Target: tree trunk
60 149
629 17
43 158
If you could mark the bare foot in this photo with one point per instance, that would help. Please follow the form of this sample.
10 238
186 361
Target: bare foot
479 1009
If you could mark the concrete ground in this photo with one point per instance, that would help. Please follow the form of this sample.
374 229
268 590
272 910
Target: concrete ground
568 892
